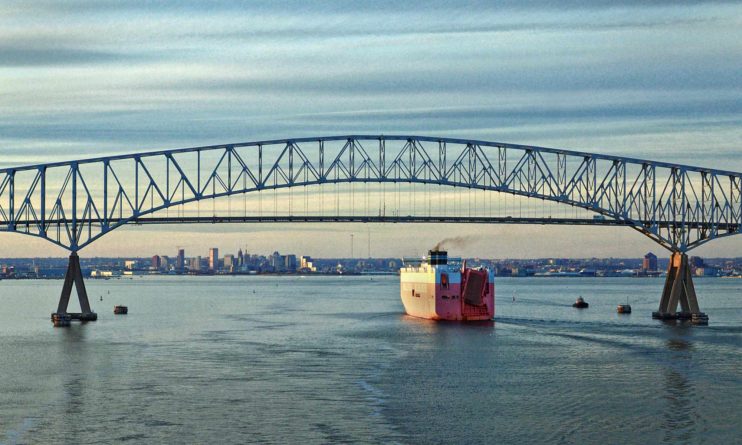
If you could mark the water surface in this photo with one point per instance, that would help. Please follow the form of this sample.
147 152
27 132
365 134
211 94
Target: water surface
333 360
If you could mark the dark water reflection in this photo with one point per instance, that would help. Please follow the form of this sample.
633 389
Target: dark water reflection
333 360
679 416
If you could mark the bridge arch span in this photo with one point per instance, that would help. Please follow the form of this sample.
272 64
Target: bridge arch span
678 206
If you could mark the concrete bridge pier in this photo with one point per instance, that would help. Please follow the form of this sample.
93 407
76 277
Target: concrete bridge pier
679 289
73 276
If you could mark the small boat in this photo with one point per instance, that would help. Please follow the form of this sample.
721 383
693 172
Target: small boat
580 303
624 308
120 310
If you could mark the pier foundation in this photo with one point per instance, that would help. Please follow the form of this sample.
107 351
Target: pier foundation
73 276
679 290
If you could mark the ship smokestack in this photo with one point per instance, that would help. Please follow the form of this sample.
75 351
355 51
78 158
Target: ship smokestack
436 257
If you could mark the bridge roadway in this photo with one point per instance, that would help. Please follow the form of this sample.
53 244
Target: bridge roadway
409 219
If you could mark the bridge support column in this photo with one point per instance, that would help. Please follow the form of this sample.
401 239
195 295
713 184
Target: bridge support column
73 276
679 289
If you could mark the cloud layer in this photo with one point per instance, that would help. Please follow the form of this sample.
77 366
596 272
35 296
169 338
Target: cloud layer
81 78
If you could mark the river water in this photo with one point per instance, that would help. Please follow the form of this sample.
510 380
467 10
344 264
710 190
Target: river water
269 359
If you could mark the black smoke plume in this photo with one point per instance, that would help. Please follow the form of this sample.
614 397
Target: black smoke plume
455 241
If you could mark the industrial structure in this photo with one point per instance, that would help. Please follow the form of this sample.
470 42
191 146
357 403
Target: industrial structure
75 203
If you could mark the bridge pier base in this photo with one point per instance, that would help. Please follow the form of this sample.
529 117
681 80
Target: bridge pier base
679 289
62 318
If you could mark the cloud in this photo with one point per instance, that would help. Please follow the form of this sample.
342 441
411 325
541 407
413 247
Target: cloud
359 6
19 56
88 77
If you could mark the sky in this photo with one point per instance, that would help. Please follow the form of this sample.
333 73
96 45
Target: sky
83 78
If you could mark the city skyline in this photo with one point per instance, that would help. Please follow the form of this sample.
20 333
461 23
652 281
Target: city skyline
653 82
246 263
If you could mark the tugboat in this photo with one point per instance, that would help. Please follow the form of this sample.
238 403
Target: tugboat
580 303
120 310
624 308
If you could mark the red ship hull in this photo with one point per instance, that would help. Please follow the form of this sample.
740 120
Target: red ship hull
437 292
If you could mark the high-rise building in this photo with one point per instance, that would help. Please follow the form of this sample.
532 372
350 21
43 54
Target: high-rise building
290 263
650 262
156 262
240 258
276 261
180 262
229 263
213 259
195 265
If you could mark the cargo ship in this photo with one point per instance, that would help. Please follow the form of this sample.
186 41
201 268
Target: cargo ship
438 290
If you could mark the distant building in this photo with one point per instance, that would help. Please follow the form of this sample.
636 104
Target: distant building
229 263
276 261
195 265
156 263
306 264
180 261
708 271
102 273
131 264
650 262
289 263
213 259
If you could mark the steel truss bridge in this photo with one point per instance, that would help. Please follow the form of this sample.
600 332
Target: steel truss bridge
74 203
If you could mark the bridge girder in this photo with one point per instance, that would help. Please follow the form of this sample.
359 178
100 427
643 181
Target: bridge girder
72 204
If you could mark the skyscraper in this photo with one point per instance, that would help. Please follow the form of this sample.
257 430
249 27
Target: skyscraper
214 259
229 263
289 263
195 265
180 261
276 261
650 262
